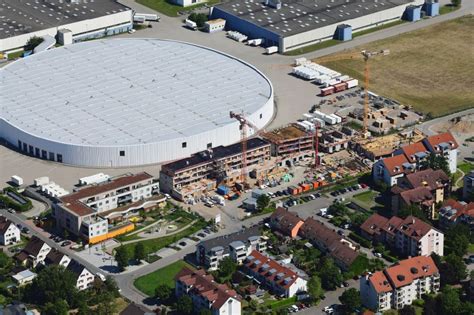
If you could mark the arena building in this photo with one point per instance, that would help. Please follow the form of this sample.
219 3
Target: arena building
78 19
128 102
292 24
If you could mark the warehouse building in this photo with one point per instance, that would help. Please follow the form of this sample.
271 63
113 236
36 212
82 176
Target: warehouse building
21 20
292 24
168 101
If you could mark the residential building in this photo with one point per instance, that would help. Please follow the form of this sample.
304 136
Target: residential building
333 141
236 245
453 212
424 189
279 279
410 236
24 277
206 293
408 159
468 187
55 257
191 177
400 284
9 232
83 277
291 141
34 253
286 222
88 211
327 240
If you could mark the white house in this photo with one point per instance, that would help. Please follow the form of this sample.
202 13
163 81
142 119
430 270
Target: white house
84 278
390 169
445 145
9 232
24 277
57 258
206 293
400 284
35 252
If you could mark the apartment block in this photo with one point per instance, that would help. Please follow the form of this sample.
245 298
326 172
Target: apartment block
193 176
269 273
291 140
88 211
236 246
454 212
410 236
206 293
400 284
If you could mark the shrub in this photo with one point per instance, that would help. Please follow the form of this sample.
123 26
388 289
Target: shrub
359 239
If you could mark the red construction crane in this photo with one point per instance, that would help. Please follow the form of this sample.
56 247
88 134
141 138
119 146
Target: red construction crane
244 123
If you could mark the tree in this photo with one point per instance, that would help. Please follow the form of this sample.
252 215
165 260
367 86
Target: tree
436 162
83 309
139 251
453 270
184 305
314 288
414 211
163 291
456 3
52 283
111 286
456 240
59 307
122 257
107 305
331 276
199 18
282 311
263 201
450 302
431 306
33 42
351 300
226 268
205 311
407 310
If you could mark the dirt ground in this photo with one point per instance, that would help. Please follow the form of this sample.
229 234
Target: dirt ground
431 69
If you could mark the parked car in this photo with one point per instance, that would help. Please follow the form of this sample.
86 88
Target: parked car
11 210
363 185
182 243
378 255
66 243
328 310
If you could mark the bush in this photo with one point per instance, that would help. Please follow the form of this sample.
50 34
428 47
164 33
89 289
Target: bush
10 203
359 239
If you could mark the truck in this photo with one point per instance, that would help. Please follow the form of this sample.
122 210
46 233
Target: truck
271 50
191 25
17 180
255 42
148 17
138 19
218 200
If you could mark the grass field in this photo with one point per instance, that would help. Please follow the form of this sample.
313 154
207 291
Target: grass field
169 9
430 68
148 283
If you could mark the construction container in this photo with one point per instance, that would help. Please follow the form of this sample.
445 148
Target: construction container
293 190
223 190
340 87
327 91
305 187
343 32
432 8
315 185
352 83
271 50
412 13
300 61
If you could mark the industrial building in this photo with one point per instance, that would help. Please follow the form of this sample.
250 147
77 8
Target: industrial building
89 211
298 23
168 101
79 19
200 173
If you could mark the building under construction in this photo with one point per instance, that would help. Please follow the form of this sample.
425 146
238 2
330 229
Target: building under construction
291 142
204 171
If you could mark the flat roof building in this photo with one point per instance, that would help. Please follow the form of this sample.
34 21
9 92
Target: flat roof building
21 20
298 23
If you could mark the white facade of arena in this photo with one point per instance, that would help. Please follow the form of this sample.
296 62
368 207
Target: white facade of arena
128 102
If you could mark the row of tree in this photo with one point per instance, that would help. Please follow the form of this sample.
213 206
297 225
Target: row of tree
123 256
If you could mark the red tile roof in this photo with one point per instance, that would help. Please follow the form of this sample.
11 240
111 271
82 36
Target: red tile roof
374 224
286 222
414 228
73 203
408 270
203 284
411 149
394 164
446 137
273 271
427 178
380 282
417 195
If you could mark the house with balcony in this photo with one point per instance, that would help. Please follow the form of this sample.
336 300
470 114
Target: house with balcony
236 246
454 212
207 293
400 284
279 279
410 236
390 169
83 277
90 210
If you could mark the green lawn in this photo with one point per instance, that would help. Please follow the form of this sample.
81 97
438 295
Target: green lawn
169 9
310 48
277 304
470 249
148 283
377 28
447 9
155 244
466 167
366 199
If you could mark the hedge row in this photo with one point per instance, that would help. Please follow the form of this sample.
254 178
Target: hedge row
359 239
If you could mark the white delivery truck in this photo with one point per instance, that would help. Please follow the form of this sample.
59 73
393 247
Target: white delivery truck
218 200
191 25
17 180
255 42
148 17
271 50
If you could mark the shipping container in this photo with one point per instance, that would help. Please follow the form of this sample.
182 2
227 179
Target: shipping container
352 83
223 190
315 185
327 91
305 187
293 190
271 50
340 87
17 180
255 42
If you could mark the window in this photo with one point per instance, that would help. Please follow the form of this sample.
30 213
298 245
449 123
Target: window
19 145
44 154
184 145
122 153
59 158
25 147
261 116
37 152
31 149
209 145
51 156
